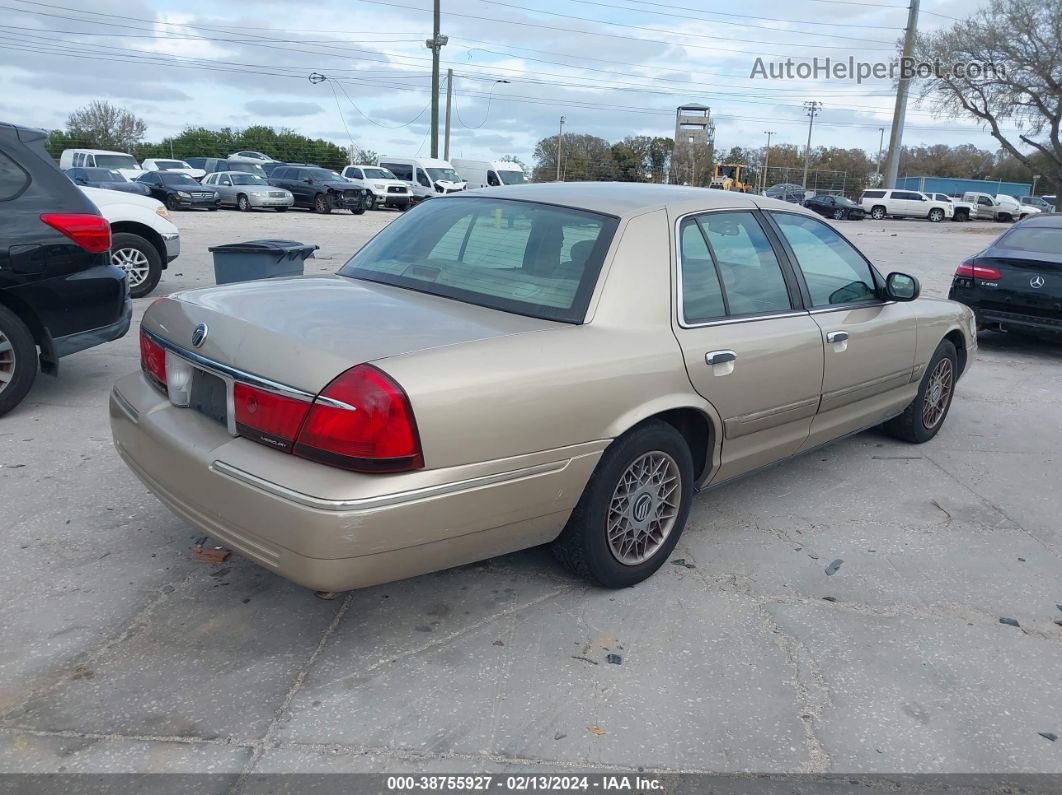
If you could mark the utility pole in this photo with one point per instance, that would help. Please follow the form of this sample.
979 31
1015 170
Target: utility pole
435 44
766 159
811 108
449 95
560 139
892 164
877 163
1035 177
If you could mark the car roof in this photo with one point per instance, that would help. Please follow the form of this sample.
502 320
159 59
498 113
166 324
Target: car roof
1050 220
627 199
233 173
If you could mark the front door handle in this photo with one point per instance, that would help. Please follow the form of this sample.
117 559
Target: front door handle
837 336
719 357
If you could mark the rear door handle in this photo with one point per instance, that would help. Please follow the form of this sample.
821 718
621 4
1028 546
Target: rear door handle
719 357
837 336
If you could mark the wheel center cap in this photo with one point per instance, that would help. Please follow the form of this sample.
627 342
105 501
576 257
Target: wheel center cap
934 393
643 505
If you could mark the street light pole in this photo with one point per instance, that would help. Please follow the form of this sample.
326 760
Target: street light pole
560 139
1035 177
877 163
811 108
766 159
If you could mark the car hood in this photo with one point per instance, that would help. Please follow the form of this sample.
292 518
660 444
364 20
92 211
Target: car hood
338 185
102 197
255 188
304 331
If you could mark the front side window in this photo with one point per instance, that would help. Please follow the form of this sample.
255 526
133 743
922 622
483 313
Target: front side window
530 259
422 178
750 273
834 271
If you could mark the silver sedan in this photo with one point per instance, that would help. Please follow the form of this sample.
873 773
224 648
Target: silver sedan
248 191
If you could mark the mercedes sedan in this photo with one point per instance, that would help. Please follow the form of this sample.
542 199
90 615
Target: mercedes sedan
561 363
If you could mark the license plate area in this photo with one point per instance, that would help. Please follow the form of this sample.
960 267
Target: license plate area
210 396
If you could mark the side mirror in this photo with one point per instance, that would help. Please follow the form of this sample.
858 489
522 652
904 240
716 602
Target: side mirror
902 287
308 180
81 181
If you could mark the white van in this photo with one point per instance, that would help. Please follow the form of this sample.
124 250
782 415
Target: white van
100 158
425 175
488 174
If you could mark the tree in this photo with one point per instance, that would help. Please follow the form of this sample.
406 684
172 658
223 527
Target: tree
101 125
583 157
1023 39
515 159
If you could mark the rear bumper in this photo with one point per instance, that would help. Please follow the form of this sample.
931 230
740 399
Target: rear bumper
332 530
1014 321
72 343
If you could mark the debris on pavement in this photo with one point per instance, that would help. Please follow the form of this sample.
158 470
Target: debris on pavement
614 659
1010 622
497 643
829 598
559 736
328 596
833 567
596 730
209 554
585 659
1048 736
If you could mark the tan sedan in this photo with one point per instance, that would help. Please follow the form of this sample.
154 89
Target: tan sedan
563 363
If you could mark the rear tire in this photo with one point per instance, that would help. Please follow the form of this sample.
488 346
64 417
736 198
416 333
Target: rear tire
139 259
878 213
630 498
18 360
925 416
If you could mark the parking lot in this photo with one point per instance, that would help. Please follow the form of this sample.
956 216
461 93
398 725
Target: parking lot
740 655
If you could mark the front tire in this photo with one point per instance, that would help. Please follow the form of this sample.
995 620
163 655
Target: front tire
171 202
838 215
243 204
281 209
923 418
936 215
139 259
878 213
18 360
321 205
371 203
633 509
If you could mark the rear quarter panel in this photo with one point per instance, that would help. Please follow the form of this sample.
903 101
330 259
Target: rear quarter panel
937 319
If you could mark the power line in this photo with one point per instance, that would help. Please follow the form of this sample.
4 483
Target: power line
750 16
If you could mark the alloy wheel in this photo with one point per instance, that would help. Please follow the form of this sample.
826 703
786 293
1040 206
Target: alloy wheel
134 262
7 361
938 393
838 215
644 505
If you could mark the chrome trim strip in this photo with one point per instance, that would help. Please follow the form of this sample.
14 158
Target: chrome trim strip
384 500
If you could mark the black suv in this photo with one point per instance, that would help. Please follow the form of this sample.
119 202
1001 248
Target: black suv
321 190
59 292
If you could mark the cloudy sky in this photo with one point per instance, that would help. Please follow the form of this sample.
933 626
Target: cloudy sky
611 67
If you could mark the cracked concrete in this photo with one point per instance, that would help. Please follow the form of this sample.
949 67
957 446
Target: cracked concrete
120 653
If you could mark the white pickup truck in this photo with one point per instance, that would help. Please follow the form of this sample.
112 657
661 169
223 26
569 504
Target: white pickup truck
964 211
998 207
143 240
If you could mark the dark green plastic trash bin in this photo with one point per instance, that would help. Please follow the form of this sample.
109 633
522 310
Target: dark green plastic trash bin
259 259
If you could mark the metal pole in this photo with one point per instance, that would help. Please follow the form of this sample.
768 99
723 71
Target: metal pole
434 44
892 165
1035 177
877 163
449 94
811 108
560 134
766 160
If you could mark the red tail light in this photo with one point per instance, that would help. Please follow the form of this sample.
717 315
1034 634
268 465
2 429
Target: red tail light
968 270
362 421
153 360
268 417
91 232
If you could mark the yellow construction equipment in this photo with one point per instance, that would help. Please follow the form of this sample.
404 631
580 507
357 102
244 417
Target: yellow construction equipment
732 176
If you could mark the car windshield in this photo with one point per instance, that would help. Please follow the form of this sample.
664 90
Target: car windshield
378 173
247 179
247 168
170 165
322 175
444 174
176 180
115 161
104 175
843 202
1044 240
521 257
512 177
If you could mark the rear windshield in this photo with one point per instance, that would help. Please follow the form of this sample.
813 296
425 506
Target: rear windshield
1033 238
115 161
521 257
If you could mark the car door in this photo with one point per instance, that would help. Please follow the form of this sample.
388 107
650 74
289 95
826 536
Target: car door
223 184
749 346
154 184
869 343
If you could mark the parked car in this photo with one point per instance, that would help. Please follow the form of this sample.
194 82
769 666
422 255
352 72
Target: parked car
836 207
1015 284
179 191
787 192
59 292
427 177
105 178
489 174
1017 209
212 165
143 239
386 190
251 157
100 158
1037 202
1050 200
464 387
321 189
880 203
962 211
181 167
991 208
248 192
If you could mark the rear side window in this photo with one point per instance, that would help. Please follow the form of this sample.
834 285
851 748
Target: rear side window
1040 239
702 295
13 180
522 257
873 194
834 271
